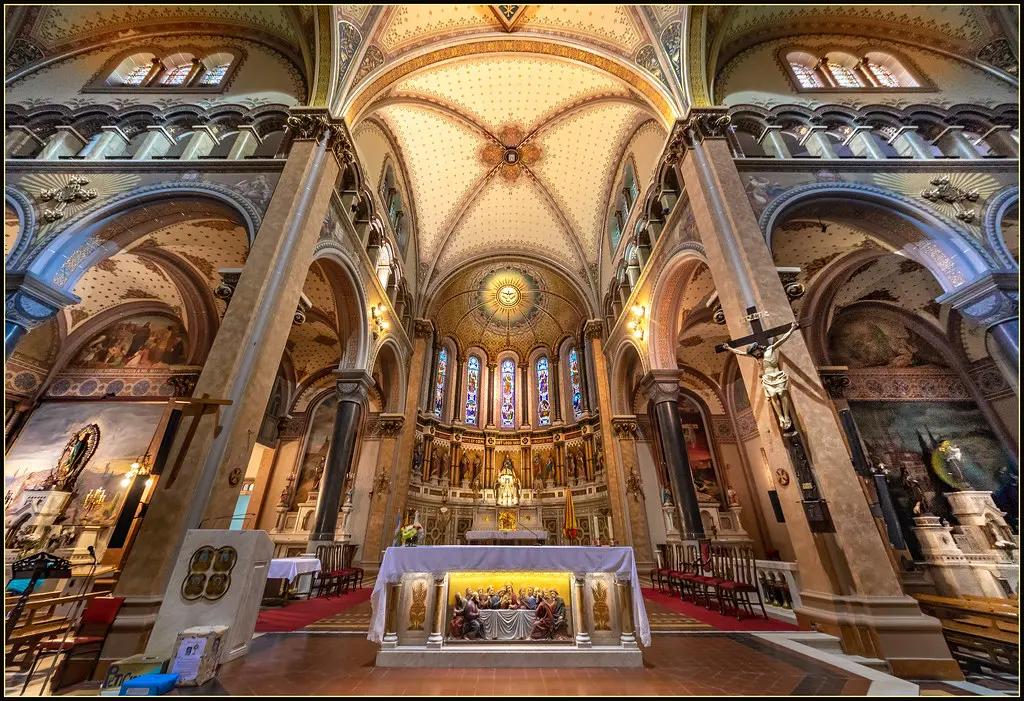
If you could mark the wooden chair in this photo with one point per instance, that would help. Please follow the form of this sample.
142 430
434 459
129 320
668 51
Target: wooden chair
659 575
353 574
325 581
737 589
683 575
92 632
38 620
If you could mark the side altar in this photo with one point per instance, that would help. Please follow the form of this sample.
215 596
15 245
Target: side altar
512 606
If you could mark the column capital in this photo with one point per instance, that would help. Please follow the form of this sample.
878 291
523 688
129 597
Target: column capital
835 378
30 301
353 385
390 424
626 427
700 124
988 300
422 328
594 328
312 123
661 385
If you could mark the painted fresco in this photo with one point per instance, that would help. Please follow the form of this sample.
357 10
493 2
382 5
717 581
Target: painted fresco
698 450
125 432
864 340
137 342
903 435
318 446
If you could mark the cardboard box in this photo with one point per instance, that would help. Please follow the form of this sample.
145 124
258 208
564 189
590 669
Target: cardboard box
130 667
197 653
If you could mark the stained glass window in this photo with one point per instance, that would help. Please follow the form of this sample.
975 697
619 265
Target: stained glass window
844 76
508 393
574 382
807 77
543 399
214 75
442 370
883 75
177 75
472 389
137 75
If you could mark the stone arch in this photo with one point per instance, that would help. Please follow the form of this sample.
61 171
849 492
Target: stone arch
626 358
393 383
22 206
664 323
998 206
351 306
922 234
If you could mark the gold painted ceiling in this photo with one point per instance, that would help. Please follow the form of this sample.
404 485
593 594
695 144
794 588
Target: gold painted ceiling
507 305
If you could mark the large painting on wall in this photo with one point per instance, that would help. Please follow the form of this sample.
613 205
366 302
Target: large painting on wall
125 431
863 339
136 342
318 446
698 450
902 435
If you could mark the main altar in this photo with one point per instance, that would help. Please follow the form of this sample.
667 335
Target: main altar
513 606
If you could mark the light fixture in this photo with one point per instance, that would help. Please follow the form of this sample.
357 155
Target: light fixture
380 325
139 467
94 499
637 322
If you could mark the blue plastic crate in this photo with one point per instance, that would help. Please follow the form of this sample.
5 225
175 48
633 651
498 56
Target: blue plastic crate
149 685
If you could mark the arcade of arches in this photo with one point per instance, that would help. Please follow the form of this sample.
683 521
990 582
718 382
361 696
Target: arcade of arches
735 275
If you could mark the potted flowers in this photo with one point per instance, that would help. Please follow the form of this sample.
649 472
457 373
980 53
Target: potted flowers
410 535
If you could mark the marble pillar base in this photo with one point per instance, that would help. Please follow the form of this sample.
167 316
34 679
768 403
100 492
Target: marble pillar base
454 656
891 628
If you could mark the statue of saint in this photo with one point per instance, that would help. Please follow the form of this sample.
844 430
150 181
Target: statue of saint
599 460
72 460
734 498
417 455
536 465
550 467
947 463
442 456
349 486
774 379
319 474
476 468
463 468
917 493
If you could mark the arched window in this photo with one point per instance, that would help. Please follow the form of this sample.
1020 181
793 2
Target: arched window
216 66
384 264
543 397
883 75
137 75
442 371
133 70
802 65
845 76
888 72
508 393
574 383
472 390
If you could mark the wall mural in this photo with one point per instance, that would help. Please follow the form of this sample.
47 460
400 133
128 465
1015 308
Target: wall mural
317 449
698 450
125 432
861 339
137 342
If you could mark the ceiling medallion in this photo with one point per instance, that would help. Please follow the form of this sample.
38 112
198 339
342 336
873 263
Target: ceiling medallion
508 296
511 152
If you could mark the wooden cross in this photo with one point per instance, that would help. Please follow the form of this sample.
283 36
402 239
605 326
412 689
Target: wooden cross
760 335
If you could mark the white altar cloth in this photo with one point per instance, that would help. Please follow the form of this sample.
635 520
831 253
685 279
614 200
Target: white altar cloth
440 559
506 535
507 624
291 567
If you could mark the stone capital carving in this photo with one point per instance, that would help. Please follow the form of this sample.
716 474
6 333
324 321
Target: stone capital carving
835 378
291 428
353 385
391 424
311 123
626 427
989 300
423 328
701 124
661 385
30 301
593 329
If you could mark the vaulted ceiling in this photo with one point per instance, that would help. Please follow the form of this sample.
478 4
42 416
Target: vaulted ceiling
510 153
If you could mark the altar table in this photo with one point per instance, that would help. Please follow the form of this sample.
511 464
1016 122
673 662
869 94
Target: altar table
507 624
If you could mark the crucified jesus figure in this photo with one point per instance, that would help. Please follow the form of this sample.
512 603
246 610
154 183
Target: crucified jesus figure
773 378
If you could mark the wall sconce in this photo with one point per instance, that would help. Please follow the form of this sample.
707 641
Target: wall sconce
380 484
94 499
634 485
637 323
139 467
377 319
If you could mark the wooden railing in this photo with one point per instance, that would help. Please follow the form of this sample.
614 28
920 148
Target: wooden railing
980 631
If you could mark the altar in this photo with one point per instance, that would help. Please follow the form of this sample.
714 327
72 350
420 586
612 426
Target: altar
511 606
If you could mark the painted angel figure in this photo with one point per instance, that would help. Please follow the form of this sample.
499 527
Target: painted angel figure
773 378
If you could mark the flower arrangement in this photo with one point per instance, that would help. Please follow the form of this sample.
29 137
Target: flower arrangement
410 534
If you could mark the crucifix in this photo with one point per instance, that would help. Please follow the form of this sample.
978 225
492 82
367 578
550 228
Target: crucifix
763 347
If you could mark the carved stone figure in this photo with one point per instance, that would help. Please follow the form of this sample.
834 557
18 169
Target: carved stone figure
476 468
774 379
463 469
417 455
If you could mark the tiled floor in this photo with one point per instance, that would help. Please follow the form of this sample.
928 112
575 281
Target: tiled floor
688 664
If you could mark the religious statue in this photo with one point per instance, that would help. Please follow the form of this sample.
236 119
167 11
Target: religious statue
417 456
463 474
573 467
543 620
536 465
947 463
560 626
734 499
774 379
917 493
666 498
72 461
476 468
319 474
550 468
349 487
599 460
466 618
437 462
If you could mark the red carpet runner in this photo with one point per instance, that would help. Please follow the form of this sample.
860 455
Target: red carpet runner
301 613
715 619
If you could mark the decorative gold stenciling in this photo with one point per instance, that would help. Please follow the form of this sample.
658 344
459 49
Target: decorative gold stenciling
602 615
418 609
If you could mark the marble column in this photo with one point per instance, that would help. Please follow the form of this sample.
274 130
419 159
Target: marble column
29 302
849 588
662 388
422 331
623 589
555 384
436 637
492 378
211 449
580 616
352 389
435 359
627 432
524 395
66 141
458 401
992 302
394 592
612 466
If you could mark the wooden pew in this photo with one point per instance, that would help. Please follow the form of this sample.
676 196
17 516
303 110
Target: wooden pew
980 631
